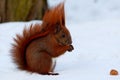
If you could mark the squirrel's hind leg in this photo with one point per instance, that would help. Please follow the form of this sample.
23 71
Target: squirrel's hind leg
39 62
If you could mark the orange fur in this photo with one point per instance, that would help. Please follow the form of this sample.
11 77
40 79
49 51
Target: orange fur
34 49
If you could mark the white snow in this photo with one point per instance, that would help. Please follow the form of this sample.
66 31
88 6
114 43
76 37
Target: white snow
95 30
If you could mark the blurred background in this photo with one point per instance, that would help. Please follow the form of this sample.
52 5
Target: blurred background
76 10
80 11
22 10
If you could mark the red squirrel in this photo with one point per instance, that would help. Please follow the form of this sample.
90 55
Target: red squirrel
39 44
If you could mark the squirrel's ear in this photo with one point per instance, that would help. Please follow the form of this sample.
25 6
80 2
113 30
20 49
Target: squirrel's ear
57 28
63 20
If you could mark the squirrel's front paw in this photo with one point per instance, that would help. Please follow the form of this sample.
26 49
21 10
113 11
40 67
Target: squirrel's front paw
70 48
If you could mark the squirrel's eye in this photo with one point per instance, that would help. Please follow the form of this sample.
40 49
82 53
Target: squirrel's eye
63 35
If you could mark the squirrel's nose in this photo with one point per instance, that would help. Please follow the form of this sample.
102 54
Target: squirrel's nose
68 42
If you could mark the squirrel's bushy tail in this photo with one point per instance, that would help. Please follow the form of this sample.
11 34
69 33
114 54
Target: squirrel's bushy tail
21 43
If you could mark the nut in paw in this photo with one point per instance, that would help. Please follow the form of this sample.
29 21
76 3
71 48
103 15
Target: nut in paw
70 48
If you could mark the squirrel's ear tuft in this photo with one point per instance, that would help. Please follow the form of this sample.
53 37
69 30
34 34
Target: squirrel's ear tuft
62 9
54 15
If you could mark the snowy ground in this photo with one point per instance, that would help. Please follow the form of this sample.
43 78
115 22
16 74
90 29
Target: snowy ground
95 30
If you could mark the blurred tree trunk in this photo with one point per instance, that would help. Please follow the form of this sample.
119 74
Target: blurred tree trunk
2 10
22 10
